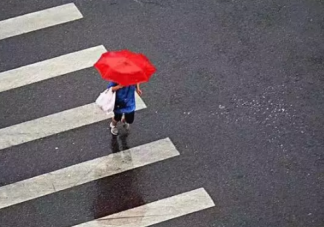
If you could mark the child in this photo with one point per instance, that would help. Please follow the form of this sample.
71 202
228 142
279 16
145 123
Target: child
124 105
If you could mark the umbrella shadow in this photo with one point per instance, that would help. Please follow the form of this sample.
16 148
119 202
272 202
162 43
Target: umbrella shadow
119 192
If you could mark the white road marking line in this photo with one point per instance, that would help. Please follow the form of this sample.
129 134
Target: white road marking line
156 212
86 172
55 123
39 20
50 68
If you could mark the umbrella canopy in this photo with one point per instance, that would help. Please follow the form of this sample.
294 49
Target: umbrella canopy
125 67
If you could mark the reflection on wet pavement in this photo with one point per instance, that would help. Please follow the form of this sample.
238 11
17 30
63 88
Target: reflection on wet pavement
124 191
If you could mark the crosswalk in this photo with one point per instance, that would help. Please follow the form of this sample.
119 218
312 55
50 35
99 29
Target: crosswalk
85 172
51 68
70 177
156 212
39 20
53 124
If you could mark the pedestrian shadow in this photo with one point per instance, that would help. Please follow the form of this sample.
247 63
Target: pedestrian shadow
119 192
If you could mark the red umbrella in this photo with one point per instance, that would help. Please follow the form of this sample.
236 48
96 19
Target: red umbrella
125 67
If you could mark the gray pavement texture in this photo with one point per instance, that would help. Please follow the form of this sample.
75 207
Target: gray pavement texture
239 90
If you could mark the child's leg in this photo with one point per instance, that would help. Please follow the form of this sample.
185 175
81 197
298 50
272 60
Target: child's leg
129 117
116 119
113 124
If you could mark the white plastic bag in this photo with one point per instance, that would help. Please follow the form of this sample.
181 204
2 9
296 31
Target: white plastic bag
106 100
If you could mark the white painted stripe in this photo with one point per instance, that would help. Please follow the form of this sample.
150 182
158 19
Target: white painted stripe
50 68
39 20
156 212
85 172
55 123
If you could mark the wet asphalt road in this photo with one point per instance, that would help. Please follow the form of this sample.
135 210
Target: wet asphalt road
239 90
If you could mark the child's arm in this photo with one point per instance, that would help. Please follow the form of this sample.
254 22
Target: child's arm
138 89
116 88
